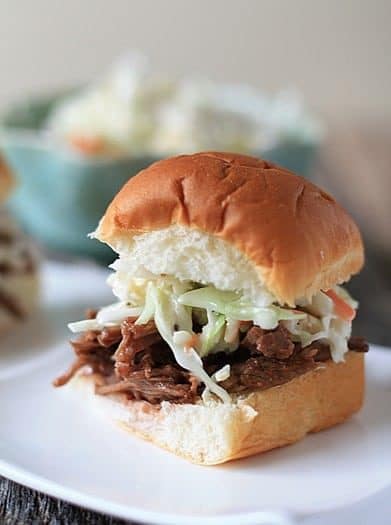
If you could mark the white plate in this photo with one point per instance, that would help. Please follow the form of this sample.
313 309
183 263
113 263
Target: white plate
50 441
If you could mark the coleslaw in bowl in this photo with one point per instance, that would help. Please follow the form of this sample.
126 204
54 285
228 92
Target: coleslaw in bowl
73 150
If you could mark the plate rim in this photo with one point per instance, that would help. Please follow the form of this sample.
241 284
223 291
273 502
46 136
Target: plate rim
275 516
130 512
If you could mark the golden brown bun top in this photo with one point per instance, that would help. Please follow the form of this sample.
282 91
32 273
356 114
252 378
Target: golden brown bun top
6 180
299 238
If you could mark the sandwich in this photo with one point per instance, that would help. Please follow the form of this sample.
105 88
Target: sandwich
19 283
231 333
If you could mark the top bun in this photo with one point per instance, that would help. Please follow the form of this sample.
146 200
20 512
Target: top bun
260 217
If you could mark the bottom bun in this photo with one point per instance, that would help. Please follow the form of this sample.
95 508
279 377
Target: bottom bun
213 432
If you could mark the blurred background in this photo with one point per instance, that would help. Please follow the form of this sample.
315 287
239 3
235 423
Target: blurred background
319 102
336 52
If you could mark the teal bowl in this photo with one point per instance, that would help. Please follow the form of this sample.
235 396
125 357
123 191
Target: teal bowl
61 196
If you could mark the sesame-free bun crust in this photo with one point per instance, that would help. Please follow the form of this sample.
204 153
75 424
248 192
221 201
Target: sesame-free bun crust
296 236
216 432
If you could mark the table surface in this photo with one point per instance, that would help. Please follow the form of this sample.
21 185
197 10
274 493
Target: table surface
346 152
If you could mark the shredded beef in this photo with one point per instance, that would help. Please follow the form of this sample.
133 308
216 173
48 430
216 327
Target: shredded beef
167 383
67 376
90 351
320 350
262 372
135 361
271 343
135 338
358 344
110 336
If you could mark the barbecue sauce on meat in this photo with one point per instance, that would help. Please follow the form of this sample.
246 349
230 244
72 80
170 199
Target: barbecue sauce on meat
134 360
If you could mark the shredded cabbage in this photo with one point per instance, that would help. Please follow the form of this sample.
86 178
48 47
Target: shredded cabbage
231 334
111 315
168 325
82 326
149 306
231 305
332 329
173 305
222 374
212 332
321 322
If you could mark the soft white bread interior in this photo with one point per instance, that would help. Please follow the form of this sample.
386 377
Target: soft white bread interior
215 432
196 256
285 231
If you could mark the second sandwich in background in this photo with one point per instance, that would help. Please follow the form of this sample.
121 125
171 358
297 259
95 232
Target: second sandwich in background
19 262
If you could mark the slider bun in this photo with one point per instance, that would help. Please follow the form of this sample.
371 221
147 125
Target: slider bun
6 180
270 227
218 432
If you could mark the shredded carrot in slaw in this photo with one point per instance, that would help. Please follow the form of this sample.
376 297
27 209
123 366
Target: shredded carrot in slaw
341 307
192 342
87 145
